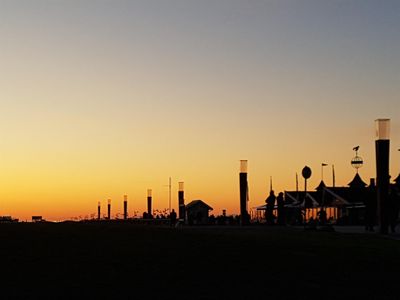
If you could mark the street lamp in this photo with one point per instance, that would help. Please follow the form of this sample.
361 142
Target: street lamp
382 148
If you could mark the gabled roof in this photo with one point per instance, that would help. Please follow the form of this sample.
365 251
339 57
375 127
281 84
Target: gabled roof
338 200
300 195
357 182
338 196
196 203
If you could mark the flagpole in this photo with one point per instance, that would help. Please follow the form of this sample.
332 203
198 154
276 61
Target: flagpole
270 183
297 187
333 175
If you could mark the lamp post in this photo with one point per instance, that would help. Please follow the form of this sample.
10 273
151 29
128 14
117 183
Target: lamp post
181 201
125 207
243 185
382 147
149 203
109 209
98 210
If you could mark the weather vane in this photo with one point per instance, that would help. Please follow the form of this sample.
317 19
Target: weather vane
357 161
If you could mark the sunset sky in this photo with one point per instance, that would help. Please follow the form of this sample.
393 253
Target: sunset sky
104 98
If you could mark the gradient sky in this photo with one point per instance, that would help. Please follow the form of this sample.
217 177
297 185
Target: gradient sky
104 98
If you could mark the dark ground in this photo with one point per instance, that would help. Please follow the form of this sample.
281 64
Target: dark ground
116 260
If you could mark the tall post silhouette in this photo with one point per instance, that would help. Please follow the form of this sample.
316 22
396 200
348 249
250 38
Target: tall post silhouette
243 185
382 148
125 207
149 202
109 210
98 210
181 201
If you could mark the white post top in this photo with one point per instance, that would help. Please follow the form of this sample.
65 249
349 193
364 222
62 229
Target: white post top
382 129
243 166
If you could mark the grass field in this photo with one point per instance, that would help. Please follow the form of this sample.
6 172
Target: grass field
122 261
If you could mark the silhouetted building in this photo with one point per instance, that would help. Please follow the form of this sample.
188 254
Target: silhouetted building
354 204
8 219
342 204
197 212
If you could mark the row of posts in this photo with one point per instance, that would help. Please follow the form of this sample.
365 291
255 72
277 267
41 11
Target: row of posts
181 203
382 145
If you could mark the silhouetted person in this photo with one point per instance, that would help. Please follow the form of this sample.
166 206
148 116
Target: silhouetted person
269 211
322 217
172 217
281 209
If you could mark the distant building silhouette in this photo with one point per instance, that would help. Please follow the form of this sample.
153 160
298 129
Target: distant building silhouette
8 219
36 219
